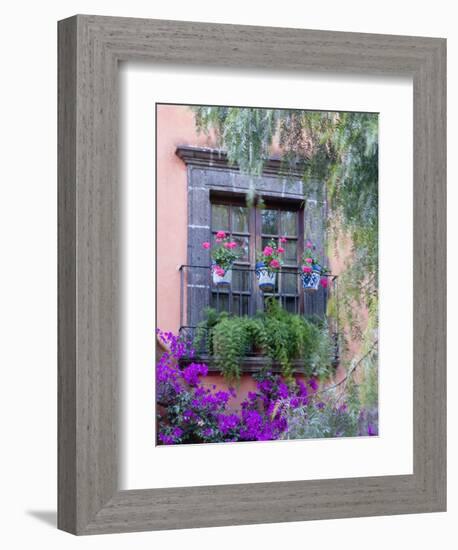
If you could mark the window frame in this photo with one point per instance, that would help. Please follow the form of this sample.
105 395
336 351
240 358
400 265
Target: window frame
255 238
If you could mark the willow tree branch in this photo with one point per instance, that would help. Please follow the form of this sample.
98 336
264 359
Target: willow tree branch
352 370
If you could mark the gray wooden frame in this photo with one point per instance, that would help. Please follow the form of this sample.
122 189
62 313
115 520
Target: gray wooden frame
90 48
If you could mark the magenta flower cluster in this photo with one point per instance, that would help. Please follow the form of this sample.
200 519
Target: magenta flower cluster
192 373
188 411
223 253
271 255
191 410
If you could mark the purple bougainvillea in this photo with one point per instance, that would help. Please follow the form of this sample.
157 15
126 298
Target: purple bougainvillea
192 373
191 411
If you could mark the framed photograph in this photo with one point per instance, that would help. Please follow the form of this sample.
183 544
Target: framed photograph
252 275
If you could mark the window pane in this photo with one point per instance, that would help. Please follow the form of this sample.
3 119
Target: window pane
220 301
270 222
240 219
243 248
236 305
291 304
289 282
290 251
220 217
240 304
289 223
245 304
240 280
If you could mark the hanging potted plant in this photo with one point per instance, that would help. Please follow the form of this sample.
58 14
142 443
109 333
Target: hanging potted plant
269 262
313 272
223 255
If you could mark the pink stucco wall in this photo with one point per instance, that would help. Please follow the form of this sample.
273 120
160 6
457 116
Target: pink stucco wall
175 126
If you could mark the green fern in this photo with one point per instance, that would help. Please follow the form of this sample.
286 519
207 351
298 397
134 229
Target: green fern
277 334
230 345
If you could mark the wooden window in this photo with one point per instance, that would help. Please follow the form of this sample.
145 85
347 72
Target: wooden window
275 221
252 229
233 217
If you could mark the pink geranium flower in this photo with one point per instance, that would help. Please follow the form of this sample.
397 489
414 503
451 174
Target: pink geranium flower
280 250
206 245
275 264
232 244
309 244
309 260
268 251
221 235
283 239
218 270
324 282
306 269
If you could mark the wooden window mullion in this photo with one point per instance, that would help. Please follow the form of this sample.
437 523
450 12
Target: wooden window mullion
252 228
280 274
229 222
258 301
300 248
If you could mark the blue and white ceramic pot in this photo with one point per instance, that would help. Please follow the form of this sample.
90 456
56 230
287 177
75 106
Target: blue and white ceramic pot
225 279
311 281
266 278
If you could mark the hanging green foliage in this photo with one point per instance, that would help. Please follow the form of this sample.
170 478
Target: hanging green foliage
339 150
276 334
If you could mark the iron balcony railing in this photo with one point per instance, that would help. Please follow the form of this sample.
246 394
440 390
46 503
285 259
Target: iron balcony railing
244 297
